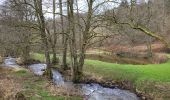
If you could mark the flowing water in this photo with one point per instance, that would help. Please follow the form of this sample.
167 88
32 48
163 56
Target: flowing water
10 62
38 69
95 91
90 91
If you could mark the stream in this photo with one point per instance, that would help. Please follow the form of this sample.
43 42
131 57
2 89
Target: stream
10 62
90 91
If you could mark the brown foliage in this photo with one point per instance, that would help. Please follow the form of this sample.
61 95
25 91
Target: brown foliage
156 47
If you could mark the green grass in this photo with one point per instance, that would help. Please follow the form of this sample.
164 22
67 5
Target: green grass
38 56
41 57
154 72
21 73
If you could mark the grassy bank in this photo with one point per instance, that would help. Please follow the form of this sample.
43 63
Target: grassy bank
29 87
152 79
154 72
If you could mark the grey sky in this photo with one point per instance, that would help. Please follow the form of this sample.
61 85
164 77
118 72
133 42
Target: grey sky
1 1
82 5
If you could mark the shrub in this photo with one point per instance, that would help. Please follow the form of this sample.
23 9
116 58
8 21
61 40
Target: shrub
159 58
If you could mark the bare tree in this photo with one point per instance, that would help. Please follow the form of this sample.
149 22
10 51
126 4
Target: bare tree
137 20
55 34
79 57
64 37
18 15
42 27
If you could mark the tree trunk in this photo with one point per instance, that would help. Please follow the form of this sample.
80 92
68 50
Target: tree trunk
26 55
65 66
149 48
77 64
74 56
54 61
41 21
64 38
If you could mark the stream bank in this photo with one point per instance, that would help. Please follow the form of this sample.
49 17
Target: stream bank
91 91
107 83
124 85
24 85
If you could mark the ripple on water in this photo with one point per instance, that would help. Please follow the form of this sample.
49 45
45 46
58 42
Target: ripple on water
57 78
97 92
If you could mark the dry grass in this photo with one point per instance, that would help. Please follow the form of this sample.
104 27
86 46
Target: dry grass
156 47
60 91
155 90
4 70
9 87
140 58
120 60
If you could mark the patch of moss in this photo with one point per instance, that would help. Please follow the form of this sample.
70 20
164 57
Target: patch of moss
21 73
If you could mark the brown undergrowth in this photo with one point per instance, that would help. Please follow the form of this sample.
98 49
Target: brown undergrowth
9 86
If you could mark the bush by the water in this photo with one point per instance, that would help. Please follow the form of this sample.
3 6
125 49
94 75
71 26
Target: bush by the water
21 61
